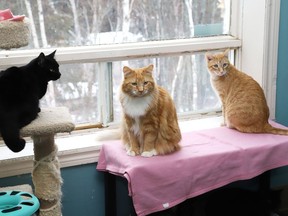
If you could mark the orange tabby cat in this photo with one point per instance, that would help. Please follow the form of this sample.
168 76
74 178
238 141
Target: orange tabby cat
244 106
150 125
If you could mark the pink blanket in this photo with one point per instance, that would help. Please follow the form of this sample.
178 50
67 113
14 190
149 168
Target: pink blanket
208 159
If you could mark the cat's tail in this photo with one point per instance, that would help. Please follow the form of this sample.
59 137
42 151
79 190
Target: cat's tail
273 130
112 134
11 137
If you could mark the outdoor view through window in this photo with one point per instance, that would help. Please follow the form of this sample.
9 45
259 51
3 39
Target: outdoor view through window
83 23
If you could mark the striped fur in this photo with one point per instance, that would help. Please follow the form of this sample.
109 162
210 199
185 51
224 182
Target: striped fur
244 105
150 125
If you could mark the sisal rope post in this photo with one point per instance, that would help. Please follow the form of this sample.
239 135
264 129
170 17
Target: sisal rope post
46 174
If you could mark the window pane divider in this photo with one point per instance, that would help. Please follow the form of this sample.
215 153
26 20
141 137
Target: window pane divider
105 93
118 52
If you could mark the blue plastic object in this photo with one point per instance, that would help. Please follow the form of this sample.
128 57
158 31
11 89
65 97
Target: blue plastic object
18 203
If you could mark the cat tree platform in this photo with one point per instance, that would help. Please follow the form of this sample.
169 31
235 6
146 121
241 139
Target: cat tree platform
46 174
14 34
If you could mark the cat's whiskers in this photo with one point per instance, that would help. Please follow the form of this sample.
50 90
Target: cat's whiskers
222 72
216 74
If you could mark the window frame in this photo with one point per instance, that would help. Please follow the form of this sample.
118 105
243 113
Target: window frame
121 52
256 24
118 52
254 38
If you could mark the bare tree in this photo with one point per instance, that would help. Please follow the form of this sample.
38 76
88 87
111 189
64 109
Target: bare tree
185 72
52 5
188 4
32 24
77 28
125 15
42 24
50 94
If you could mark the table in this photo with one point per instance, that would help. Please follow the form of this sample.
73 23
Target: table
208 159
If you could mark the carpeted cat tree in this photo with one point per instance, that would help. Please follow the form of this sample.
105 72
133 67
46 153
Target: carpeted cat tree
46 175
14 30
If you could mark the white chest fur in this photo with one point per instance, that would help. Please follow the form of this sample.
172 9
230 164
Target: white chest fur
135 107
136 127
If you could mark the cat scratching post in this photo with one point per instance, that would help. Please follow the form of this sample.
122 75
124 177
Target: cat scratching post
46 174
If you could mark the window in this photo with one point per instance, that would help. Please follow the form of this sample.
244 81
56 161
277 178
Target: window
232 24
95 39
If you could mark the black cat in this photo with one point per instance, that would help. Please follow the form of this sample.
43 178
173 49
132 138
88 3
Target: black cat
21 88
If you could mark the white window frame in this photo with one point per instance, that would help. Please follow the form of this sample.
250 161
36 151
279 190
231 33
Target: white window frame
254 28
258 29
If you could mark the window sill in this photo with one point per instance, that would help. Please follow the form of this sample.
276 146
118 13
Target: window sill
76 149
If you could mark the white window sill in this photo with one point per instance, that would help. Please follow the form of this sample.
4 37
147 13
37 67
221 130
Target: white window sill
76 149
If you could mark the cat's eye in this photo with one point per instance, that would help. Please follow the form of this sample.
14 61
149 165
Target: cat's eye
225 65
145 83
215 65
134 84
52 70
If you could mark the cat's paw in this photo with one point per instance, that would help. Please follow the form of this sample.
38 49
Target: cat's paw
17 147
149 153
131 153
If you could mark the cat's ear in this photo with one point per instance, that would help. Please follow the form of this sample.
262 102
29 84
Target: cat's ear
41 59
51 55
149 69
226 52
209 56
127 71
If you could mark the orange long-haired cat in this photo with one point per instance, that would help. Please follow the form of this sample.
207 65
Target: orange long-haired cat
244 105
150 126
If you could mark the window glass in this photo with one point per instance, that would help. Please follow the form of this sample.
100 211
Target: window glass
89 22
90 90
185 77
78 90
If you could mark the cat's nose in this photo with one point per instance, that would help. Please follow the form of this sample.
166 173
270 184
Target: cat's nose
56 76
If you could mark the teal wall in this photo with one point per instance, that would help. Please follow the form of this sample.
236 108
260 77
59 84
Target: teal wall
83 191
282 73
280 176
